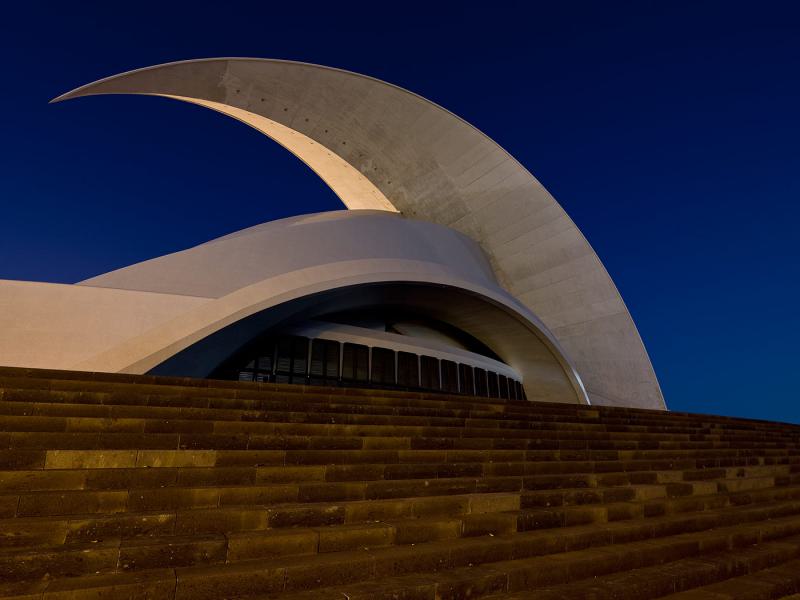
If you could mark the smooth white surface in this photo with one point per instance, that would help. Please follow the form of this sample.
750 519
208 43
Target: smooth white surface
224 265
55 326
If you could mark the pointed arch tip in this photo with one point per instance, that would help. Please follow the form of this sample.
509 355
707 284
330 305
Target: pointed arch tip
84 90
76 93
87 90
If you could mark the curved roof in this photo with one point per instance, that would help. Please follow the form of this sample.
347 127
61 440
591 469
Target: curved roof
299 263
381 147
223 265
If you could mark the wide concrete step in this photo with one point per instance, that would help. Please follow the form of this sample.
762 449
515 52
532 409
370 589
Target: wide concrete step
766 570
28 491
320 528
54 404
307 402
288 400
353 415
137 388
21 432
520 562
129 486
32 493
109 383
131 499
235 431
510 462
644 583
781 581
28 432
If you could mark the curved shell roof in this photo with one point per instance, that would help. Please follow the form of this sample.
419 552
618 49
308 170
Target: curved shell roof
226 264
284 262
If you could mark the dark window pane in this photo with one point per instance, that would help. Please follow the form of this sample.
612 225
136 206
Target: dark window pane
283 364
317 367
245 376
429 372
407 369
292 359
348 362
331 359
362 370
355 362
324 367
449 376
466 383
265 362
493 391
481 388
382 366
300 356
512 389
503 385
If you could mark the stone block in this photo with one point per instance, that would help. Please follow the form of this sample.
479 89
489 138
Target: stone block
427 530
355 537
176 458
90 459
272 544
151 553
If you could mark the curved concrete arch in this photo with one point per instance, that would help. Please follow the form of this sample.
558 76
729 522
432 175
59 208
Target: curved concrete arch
493 317
312 260
379 146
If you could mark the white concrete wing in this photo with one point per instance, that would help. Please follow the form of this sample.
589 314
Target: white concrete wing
186 313
267 274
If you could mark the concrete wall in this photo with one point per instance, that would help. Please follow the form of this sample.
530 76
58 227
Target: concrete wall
56 326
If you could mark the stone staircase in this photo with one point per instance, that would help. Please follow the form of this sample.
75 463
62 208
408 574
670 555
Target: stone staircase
119 486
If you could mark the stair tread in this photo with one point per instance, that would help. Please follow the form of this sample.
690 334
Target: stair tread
781 581
458 556
688 576
649 529
139 486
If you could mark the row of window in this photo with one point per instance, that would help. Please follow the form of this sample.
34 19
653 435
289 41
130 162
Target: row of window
295 359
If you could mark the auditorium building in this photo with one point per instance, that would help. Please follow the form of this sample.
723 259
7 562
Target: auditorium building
436 393
452 269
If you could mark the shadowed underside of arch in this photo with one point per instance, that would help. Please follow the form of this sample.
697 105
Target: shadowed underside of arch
381 147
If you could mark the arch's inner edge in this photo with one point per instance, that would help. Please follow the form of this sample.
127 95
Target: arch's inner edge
353 188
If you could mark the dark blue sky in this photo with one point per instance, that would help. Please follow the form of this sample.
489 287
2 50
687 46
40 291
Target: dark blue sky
669 131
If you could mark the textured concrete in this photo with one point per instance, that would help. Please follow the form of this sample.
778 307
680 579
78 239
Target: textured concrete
57 326
379 146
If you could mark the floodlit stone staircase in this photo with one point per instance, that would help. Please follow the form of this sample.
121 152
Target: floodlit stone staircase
117 486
